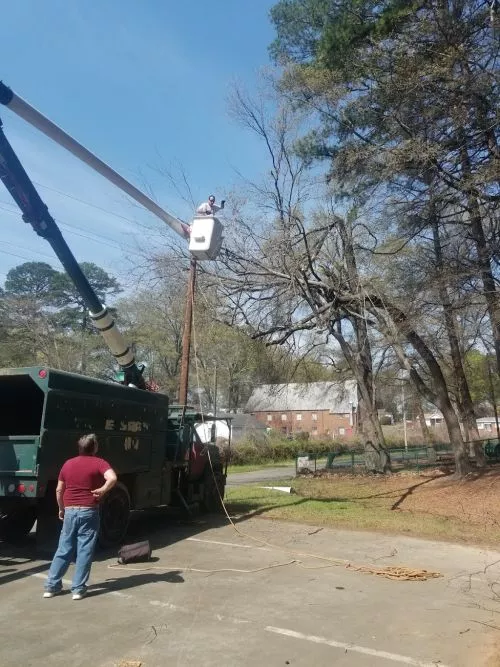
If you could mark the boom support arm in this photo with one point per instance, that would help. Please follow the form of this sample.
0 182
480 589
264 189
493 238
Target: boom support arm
36 213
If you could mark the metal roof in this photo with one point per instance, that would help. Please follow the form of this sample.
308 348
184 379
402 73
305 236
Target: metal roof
336 397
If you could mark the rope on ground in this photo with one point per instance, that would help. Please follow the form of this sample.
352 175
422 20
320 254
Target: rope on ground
183 568
396 573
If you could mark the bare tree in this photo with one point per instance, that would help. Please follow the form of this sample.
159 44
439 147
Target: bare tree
275 296
294 269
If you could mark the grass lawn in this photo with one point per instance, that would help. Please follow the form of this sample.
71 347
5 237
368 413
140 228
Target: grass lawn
251 467
430 504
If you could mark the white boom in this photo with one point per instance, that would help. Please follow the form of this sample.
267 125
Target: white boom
54 132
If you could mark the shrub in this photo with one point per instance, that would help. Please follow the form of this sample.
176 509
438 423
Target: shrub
276 447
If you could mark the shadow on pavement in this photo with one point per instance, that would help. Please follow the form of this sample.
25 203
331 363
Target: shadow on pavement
161 527
133 580
20 560
6 577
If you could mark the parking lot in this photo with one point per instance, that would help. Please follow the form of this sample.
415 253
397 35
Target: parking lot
254 604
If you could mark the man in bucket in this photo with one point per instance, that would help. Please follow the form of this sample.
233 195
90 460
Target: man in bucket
210 207
83 481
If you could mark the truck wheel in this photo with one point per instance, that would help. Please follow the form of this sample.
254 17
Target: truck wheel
115 515
16 523
213 488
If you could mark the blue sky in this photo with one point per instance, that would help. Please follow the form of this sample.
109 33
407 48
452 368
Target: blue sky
142 84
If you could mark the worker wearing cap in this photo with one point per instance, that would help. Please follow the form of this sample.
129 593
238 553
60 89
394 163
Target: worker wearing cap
209 207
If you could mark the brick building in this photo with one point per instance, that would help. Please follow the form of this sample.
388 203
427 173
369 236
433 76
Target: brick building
322 409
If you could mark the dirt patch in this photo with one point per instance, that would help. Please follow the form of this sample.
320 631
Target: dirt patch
435 492
474 499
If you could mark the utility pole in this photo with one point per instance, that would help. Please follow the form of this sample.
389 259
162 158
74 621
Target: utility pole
186 334
215 390
214 423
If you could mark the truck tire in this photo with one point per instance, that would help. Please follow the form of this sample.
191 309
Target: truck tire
115 515
213 482
16 522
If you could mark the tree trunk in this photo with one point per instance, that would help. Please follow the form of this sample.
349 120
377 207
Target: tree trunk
439 395
426 434
464 403
484 258
442 400
489 287
462 463
377 457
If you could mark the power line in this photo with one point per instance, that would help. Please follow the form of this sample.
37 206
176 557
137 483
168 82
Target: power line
13 254
37 253
8 210
87 203
114 243
98 208
15 245
17 213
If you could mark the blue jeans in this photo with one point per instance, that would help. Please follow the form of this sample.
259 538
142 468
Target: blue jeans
77 541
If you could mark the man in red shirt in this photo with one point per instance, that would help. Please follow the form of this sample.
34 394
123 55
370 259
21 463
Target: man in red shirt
83 481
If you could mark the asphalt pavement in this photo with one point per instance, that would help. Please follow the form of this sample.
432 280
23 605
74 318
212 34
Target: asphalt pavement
266 595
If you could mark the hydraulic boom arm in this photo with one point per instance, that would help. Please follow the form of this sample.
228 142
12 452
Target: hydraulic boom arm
36 213
204 236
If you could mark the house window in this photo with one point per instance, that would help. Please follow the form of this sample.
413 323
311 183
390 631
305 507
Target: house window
283 418
341 431
269 418
314 430
298 417
314 417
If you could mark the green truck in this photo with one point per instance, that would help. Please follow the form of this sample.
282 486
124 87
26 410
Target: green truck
154 448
